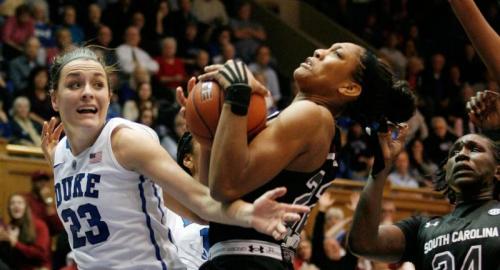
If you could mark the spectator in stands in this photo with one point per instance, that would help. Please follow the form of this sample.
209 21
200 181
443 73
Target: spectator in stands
471 65
417 128
434 84
28 238
228 53
16 31
421 167
176 128
130 55
439 141
329 238
356 155
5 130
394 56
458 112
401 176
302 259
165 21
41 202
202 60
93 23
262 65
210 12
21 66
24 130
43 29
64 43
70 22
38 94
248 33
220 38
190 44
182 18
103 42
145 99
172 72
414 70
117 17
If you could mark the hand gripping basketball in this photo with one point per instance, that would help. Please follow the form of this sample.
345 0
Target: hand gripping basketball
233 77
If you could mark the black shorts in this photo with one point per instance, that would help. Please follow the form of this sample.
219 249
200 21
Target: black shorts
245 262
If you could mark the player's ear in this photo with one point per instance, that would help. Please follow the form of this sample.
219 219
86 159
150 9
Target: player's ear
188 161
53 99
350 89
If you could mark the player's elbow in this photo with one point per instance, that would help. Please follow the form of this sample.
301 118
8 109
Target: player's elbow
222 194
358 247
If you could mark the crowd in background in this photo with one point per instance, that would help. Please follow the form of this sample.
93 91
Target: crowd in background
157 46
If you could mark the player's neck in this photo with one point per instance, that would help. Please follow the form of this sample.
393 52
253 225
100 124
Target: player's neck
483 195
79 140
318 100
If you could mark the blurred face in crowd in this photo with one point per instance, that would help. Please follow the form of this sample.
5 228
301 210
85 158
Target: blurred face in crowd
402 163
438 62
41 79
202 58
138 20
32 47
22 108
304 250
264 55
94 13
144 91
245 12
180 125
132 36
169 48
388 211
104 36
17 207
69 16
185 5
64 38
147 117
439 126
228 51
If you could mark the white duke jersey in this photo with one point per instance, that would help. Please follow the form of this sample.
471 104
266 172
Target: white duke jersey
115 218
191 240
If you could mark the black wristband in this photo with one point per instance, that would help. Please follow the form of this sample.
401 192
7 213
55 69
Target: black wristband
238 95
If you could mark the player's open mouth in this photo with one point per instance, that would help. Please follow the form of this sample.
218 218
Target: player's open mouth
307 63
87 109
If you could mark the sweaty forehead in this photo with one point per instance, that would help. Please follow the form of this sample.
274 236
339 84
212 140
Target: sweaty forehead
82 65
474 138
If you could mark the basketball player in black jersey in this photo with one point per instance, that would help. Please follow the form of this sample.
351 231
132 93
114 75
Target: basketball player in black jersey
467 238
296 148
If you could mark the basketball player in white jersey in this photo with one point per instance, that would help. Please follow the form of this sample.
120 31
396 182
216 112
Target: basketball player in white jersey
109 178
191 239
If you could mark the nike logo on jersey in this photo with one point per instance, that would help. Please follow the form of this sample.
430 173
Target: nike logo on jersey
58 164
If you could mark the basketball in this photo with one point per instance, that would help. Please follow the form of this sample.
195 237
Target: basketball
204 106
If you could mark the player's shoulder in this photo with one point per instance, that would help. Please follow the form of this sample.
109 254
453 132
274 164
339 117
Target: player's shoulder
306 113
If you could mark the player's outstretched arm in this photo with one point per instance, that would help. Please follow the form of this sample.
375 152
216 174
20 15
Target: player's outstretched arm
482 35
150 159
367 238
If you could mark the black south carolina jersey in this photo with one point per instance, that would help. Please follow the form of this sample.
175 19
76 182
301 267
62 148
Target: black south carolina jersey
302 188
467 239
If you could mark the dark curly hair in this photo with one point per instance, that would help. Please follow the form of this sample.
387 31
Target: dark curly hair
184 147
382 95
441 185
